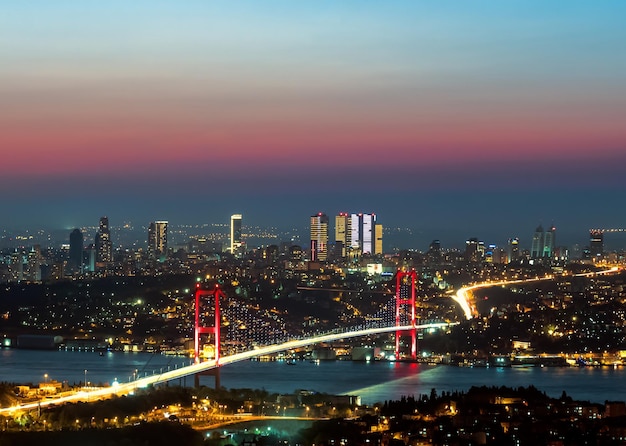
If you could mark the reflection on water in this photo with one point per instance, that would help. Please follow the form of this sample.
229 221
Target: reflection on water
373 381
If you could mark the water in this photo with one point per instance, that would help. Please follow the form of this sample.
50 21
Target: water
374 381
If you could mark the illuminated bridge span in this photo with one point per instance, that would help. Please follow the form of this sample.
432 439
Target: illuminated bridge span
397 316
194 369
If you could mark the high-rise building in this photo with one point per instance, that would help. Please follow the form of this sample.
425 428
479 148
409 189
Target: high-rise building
157 240
536 249
596 243
513 249
104 246
358 234
76 250
378 239
368 221
549 243
319 237
472 252
543 243
343 233
236 240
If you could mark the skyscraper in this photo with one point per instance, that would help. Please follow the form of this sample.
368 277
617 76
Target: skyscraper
359 234
104 246
235 233
368 221
342 232
472 250
536 249
319 237
378 245
543 243
549 243
513 253
596 243
76 250
157 240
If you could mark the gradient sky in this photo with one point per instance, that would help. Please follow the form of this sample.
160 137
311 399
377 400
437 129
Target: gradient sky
457 119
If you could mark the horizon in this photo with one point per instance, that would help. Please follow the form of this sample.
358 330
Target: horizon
400 237
483 119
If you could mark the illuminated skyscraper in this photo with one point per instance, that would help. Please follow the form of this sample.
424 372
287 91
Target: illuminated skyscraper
319 237
596 243
355 245
359 234
378 245
368 221
343 233
513 249
157 240
104 246
536 249
549 243
236 241
543 243
472 250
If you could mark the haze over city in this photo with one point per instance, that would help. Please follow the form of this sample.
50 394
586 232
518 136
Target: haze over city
453 119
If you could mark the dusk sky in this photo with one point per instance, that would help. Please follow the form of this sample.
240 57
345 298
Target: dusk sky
456 118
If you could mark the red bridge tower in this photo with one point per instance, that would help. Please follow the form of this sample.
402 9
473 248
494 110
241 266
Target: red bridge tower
405 294
204 298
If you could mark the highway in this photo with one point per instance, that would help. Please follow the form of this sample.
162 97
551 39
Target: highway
465 302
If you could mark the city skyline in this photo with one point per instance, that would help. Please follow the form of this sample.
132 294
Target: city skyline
455 120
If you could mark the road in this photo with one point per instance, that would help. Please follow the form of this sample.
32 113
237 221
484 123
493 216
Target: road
465 302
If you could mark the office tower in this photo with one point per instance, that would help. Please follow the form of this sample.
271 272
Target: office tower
543 243
76 250
471 250
536 250
157 240
236 241
368 221
378 243
513 249
319 237
354 246
89 258
549 243
104 246
358 234
33 264
596 243
342 232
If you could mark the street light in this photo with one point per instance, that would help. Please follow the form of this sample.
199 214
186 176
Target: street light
85 381
45 377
